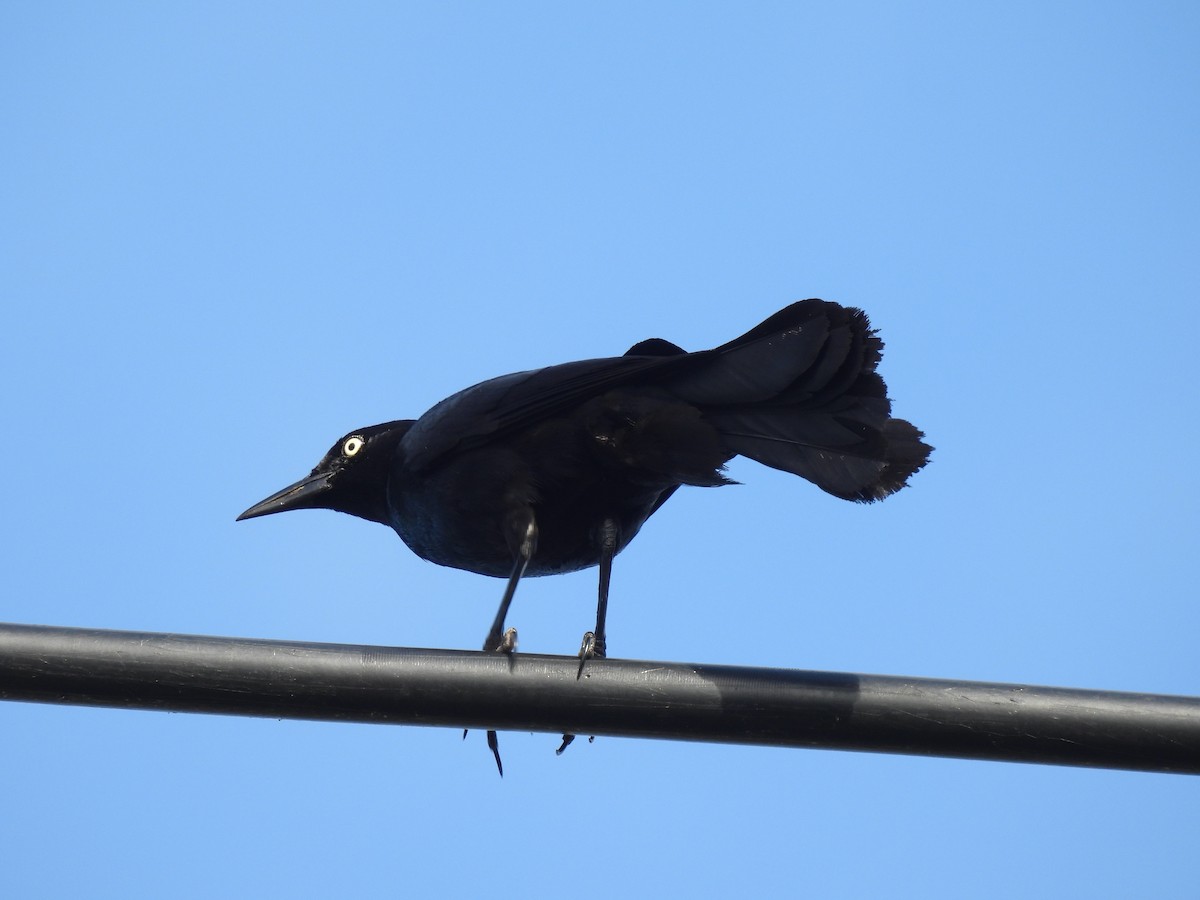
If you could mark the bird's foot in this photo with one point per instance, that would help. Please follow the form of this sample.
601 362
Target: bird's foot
592 648
505 643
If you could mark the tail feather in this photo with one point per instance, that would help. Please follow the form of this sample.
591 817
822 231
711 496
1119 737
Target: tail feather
800 393
757 367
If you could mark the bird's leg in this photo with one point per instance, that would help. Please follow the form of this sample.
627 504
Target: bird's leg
523 541
594 644
524 544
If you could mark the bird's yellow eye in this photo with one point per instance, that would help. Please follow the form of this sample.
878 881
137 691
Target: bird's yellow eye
352 446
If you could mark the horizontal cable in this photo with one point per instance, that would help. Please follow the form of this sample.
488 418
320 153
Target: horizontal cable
617 697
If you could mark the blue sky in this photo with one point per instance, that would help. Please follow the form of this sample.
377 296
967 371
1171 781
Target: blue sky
232 232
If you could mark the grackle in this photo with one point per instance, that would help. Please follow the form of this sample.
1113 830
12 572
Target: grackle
556 469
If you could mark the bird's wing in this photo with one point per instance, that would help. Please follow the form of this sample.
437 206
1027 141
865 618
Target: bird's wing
501 406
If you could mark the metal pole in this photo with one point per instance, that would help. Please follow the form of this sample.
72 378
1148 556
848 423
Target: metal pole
627 698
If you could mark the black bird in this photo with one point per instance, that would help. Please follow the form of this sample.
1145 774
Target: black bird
556 469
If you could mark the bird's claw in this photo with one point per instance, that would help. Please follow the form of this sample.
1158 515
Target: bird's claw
493 742
569 739
591 648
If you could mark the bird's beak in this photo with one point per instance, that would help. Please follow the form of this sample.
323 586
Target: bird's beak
307 493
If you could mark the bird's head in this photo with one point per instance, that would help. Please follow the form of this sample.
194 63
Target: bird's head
351 478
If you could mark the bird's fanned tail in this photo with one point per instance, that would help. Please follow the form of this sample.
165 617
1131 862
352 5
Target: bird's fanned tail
800 393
